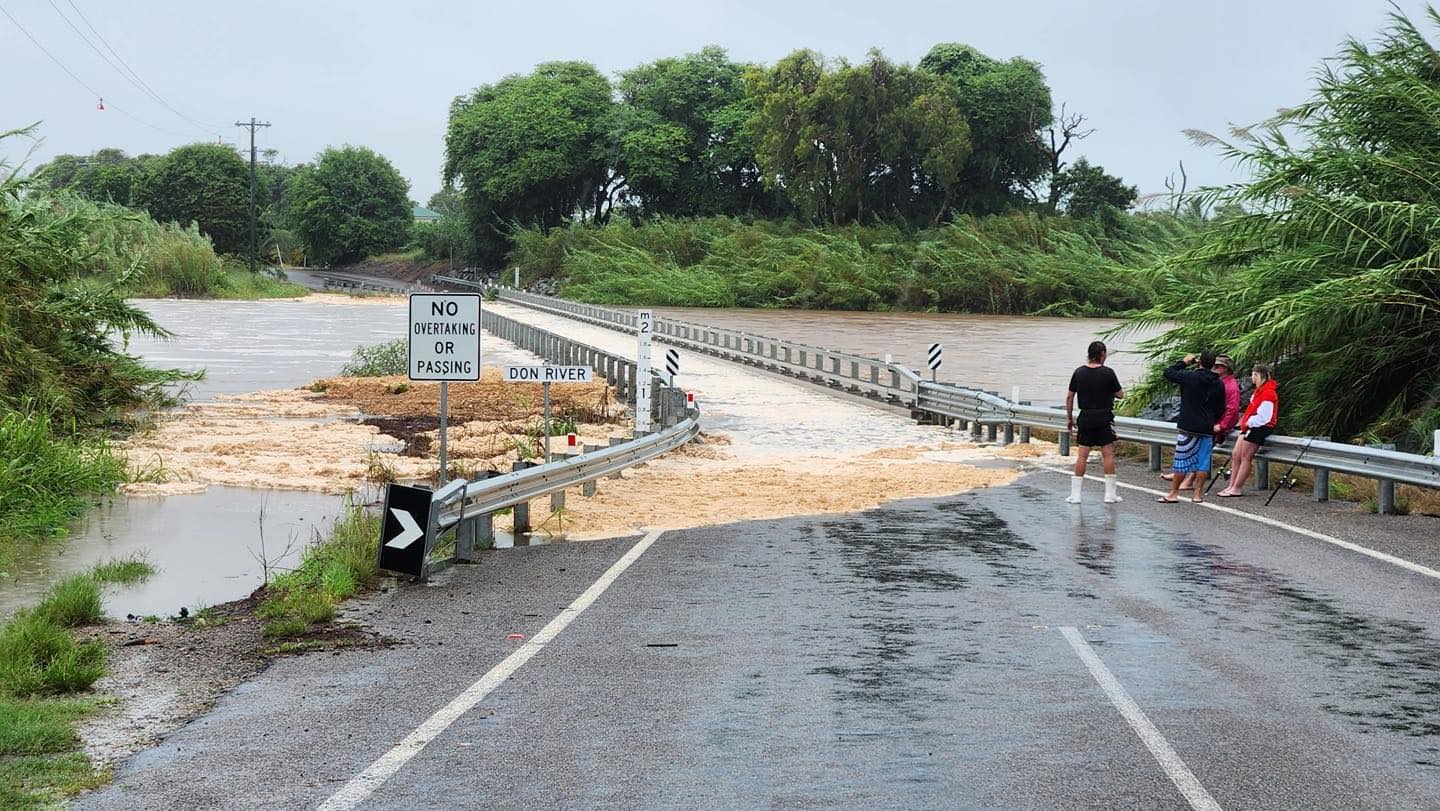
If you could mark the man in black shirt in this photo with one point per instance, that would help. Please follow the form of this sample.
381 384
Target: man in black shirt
1202 404
1097 388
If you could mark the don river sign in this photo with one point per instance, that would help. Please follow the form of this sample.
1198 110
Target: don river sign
444 336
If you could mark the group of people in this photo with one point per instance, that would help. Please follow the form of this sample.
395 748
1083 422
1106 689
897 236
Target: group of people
1209 411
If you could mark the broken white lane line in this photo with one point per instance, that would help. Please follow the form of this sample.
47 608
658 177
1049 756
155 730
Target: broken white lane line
1164 753
364 784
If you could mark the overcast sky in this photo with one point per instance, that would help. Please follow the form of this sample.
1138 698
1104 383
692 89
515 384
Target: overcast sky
382 75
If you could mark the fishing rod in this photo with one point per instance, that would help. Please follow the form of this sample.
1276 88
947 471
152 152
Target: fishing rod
1286 477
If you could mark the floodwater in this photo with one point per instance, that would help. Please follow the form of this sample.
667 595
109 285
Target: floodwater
992 352
204 545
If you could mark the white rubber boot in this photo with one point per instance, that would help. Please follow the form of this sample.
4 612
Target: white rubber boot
1111 497
1075 482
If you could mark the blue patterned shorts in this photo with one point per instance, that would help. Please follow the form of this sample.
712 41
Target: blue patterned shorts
1192 453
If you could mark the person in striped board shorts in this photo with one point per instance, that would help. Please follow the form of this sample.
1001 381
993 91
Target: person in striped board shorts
1202 405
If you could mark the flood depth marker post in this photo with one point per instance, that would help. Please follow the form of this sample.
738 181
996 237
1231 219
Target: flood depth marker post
444 345
644 329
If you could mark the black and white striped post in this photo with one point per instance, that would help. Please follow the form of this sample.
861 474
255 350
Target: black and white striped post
933 361
672 365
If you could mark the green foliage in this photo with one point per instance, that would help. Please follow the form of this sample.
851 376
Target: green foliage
1015 263
1005 104
683 146
40 657
852 143
330 571
39 727
71 602
45 480
207 184
350 205
378 360
1329 271
532 150
125 571
1086 191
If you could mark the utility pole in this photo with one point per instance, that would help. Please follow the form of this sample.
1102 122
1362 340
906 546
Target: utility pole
252 125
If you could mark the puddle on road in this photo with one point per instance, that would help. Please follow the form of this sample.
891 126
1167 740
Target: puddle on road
204 546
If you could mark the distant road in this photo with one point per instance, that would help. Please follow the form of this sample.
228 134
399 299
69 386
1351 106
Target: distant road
315 279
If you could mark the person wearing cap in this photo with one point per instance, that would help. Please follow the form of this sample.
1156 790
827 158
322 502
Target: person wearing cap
1225 368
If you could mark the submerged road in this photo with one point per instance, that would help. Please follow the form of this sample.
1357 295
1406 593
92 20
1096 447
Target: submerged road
983 650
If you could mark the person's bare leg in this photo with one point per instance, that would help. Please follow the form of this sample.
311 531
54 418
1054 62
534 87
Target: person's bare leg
1078 480
1107 455
1200 478
1240 466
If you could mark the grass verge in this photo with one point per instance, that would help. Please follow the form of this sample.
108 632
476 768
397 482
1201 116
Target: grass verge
42 667
330 570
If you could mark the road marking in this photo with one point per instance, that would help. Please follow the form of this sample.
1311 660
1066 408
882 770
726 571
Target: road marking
364 784
1309 533
1160 748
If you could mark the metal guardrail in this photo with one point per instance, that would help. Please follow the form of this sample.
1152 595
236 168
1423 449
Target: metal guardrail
892 384
880 383
468 507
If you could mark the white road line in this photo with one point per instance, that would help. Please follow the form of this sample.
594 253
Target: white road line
1174 767
1309 533
364 784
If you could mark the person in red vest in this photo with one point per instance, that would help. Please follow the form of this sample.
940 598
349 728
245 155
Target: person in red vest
1258 423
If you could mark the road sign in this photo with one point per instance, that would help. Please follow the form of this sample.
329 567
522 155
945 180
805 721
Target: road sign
548 374
403 543
672 364
444 336
644 329
934 356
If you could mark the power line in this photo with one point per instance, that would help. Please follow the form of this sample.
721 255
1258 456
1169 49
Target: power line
82 83
133 81
154 94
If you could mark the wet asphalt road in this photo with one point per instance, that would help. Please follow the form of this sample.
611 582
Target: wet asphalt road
908 656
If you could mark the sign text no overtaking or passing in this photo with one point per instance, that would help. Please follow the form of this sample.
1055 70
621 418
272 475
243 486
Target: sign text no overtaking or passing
444 336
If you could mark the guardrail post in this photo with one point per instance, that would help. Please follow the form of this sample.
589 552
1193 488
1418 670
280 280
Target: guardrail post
1009 434
1155 458
521 511
990 432
588 488
1025 429
1322 484
1064 436
1262 474
616 440
1385 501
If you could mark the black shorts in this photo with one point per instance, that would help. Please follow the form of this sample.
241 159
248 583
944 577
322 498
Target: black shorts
1094 429
1258 435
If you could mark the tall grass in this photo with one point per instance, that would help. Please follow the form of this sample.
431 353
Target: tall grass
1329 270
47 480
1012 263
331 569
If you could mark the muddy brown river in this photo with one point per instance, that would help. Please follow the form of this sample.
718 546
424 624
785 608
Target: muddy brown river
206 546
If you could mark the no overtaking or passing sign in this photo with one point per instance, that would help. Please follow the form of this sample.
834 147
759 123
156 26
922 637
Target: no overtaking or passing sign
444 336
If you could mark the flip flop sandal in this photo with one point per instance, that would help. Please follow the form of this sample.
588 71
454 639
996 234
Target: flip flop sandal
1168 500
1229 495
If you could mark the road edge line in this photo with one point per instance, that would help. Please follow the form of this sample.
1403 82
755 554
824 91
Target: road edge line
1164 754
360 787
1309 533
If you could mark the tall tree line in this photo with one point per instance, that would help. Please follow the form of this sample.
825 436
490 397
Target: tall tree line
816 139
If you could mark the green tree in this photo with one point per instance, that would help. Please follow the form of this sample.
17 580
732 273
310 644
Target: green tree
849 143
1086 190
207 184
533 150
1006 104
351 204
1324 262
682 144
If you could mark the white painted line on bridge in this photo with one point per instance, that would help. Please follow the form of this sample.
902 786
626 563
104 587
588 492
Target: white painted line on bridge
1309 533
364 784
1164 753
